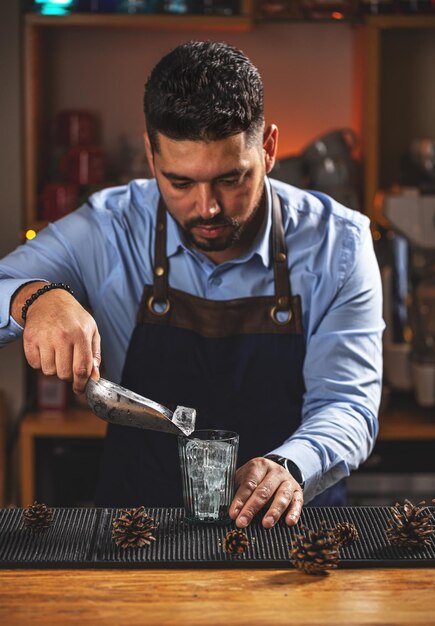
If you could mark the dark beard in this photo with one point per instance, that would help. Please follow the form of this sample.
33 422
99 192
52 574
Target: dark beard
213 245
238 230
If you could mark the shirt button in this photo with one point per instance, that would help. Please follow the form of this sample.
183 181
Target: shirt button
216 281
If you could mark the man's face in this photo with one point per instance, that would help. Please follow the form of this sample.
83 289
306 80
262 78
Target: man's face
214 191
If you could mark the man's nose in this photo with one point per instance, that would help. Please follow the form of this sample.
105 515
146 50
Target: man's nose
207 203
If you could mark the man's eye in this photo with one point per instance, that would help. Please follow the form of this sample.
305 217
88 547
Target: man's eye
230 182
181 185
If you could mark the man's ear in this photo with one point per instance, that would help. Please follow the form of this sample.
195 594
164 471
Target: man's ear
270 146
149 152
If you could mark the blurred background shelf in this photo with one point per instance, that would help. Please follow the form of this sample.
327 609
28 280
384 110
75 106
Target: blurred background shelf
60 450
405 420
236 23
59 456
393 60
397 55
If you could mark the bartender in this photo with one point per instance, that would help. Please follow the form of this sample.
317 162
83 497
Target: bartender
215 287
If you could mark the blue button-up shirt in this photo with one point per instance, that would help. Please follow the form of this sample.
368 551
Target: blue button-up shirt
105 250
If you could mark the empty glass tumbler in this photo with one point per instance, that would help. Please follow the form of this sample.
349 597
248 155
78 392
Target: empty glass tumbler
208 461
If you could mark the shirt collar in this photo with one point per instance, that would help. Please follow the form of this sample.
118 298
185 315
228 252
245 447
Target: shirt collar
262 242
260 246
173 240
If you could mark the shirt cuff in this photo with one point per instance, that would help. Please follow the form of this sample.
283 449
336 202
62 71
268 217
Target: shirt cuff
8 287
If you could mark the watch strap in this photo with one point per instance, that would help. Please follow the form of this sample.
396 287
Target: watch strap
290 466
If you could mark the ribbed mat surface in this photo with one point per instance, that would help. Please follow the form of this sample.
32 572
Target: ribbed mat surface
82 538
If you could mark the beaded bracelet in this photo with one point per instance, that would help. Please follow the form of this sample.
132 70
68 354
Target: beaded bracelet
39 292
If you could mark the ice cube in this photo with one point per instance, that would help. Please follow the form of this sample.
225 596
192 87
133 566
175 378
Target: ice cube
184 417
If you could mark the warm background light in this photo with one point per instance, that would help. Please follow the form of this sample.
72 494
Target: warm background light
308 74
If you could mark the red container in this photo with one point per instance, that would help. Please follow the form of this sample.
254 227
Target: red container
75 128
83 165
58 199
51 393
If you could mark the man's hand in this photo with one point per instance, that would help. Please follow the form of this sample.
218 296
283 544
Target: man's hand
60 337
260 481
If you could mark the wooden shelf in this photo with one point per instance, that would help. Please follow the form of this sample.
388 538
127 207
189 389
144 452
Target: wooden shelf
403 419
236 23
400 21
374 40
70 423
75 422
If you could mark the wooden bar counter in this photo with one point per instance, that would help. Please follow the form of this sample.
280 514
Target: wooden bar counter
214 597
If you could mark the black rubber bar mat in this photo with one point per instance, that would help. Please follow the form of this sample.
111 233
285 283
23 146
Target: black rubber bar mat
81 538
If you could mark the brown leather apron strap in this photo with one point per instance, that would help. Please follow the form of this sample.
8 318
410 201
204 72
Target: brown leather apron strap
283 294
282 283
160 291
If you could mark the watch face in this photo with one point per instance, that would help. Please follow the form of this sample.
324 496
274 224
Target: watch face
282 461
291 467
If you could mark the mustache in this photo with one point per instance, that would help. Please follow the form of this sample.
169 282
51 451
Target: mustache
220 220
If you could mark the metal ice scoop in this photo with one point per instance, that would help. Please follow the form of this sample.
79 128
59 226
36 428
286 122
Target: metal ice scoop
118 405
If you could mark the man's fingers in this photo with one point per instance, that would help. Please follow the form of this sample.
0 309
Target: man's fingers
248 483
295 508
243 493
64 357
256 487
258 499
82 365
280 503
32 355
262 482
96 355
47 357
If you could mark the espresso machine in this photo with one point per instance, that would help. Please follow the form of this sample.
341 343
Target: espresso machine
326 164
409 280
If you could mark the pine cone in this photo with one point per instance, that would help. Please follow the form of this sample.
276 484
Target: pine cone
345 533
315 551
411 526
133 528
37 517
235 542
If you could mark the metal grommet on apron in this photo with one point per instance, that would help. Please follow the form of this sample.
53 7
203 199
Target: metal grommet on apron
152 302
233 360
274 315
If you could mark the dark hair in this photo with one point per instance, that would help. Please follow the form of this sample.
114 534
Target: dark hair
203 91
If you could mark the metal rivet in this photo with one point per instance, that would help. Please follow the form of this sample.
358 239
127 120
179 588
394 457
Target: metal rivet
160 227
281 257
159 271
282 301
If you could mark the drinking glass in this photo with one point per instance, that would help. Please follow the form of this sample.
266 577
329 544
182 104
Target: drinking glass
208 465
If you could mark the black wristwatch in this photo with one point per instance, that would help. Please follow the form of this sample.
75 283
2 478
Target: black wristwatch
291 467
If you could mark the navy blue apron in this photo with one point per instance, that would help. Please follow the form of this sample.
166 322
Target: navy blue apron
235 361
